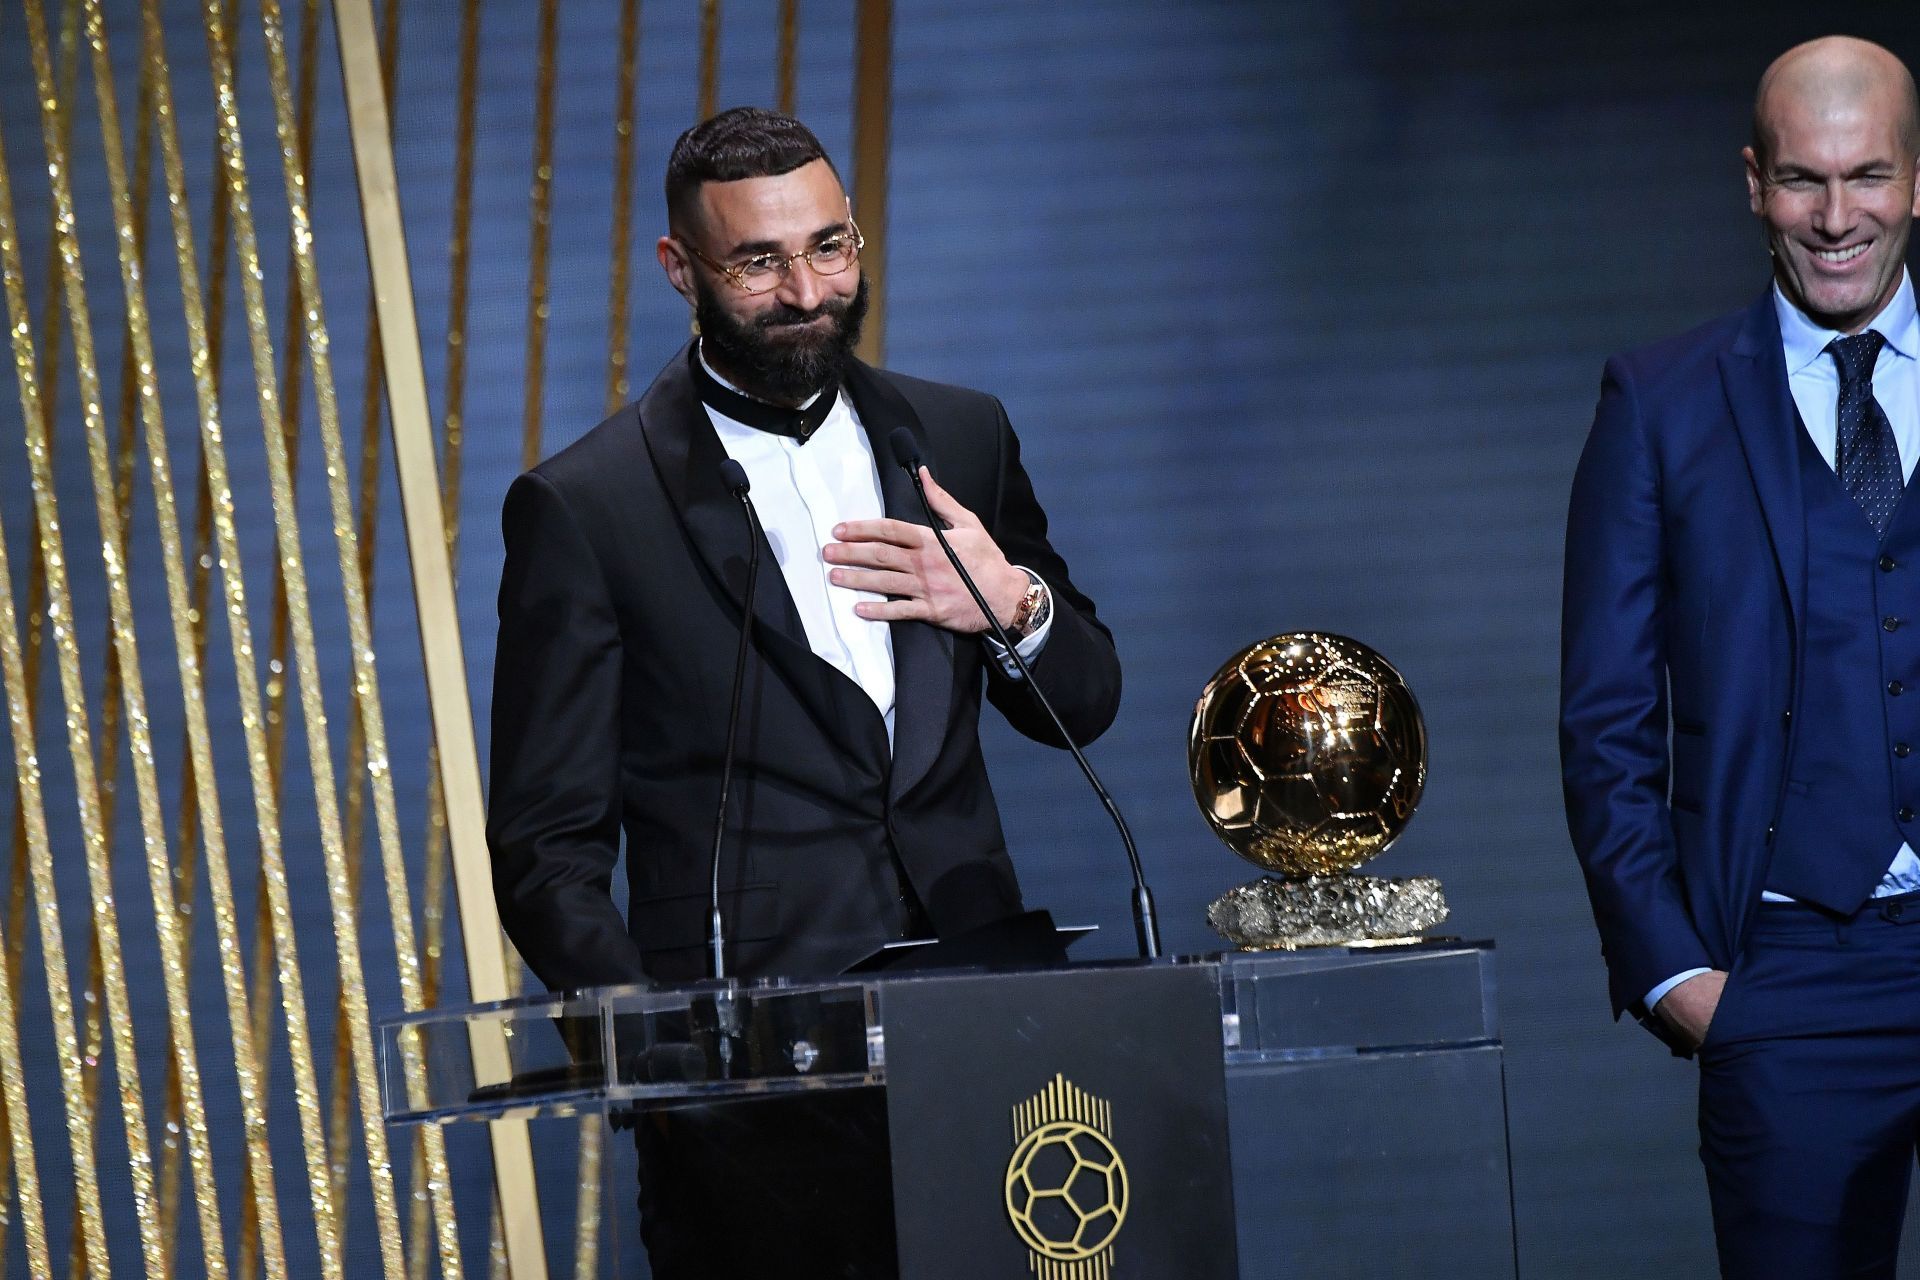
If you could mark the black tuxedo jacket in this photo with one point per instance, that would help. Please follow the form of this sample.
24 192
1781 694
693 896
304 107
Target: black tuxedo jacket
620 608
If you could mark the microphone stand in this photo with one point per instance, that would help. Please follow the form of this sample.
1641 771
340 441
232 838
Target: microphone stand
726 1014
1146 927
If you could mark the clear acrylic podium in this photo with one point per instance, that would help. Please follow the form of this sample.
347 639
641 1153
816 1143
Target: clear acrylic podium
1357 1095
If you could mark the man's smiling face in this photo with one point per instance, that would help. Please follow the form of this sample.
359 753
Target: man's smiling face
1836 190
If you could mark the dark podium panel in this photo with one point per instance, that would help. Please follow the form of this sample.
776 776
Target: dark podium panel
1328 1114
967 1055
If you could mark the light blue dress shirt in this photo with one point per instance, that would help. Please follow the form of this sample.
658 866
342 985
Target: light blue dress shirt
1815 382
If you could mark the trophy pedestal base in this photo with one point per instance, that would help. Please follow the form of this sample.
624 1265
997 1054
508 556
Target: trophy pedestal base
1271 914
1367 1114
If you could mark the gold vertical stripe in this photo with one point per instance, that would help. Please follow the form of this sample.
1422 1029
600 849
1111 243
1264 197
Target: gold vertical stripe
32 819
785 73
16 929
287 536
24 1167
292 373
368 528
586 1229
19 674
458 252
440 643
433 905
219 238
288 423
93 1029
279 635
540 235
184 871
872 120
622 255
709 57
292 383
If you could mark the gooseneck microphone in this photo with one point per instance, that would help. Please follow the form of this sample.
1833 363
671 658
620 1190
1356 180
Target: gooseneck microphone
1146 928
735 477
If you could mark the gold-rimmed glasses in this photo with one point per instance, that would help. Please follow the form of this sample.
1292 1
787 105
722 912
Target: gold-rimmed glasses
764 272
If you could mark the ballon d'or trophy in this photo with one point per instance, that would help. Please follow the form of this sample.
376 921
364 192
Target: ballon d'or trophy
1308 755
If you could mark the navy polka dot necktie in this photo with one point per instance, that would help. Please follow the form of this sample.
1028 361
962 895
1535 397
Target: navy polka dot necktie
1867 458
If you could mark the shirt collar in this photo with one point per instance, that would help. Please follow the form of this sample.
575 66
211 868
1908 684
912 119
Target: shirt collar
1804 342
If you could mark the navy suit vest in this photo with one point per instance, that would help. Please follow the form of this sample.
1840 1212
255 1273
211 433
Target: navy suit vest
1853 778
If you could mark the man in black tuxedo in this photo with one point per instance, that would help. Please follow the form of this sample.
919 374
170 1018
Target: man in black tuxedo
860 811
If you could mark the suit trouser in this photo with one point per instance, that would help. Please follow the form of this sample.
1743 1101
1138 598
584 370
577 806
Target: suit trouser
794 1187
1810 1093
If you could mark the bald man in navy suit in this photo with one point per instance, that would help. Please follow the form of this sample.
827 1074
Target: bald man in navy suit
1740 702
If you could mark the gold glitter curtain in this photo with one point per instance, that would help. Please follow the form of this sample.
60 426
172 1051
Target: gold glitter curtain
130 593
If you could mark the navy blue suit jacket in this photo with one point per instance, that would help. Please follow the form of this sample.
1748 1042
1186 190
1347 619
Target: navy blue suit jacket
1684 595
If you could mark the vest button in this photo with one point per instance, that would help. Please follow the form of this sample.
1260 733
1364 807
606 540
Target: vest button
1905 814
1786 720
1895 688
1902 750
1890 623
1888 564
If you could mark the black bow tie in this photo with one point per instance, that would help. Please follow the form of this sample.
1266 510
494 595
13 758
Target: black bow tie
761 415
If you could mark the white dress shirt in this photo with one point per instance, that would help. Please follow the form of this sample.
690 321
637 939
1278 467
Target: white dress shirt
1814 379
801 490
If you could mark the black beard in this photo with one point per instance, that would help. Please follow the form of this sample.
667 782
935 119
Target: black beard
768 358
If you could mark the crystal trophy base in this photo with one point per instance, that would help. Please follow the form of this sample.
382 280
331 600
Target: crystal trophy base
1271 914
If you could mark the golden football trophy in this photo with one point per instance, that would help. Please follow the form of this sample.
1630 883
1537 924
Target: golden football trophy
1308 755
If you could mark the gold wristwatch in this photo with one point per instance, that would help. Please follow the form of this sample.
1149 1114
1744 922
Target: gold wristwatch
1034 607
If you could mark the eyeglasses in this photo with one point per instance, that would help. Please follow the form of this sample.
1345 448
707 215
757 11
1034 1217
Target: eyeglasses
764 272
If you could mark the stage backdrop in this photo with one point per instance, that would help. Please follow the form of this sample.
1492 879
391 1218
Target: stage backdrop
1299 310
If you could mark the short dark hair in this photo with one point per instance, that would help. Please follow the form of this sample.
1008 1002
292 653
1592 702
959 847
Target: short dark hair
741 142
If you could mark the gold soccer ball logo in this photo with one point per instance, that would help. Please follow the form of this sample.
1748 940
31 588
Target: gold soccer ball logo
1066 1185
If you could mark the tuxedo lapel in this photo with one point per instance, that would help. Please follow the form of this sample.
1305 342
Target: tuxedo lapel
923 654
687 455
1754 374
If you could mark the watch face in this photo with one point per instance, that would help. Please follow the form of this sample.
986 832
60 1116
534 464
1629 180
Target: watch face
1032 611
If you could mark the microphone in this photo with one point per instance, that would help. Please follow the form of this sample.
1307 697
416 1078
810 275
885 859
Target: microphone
1146 928
735 477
